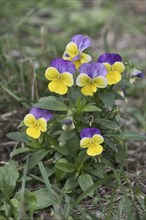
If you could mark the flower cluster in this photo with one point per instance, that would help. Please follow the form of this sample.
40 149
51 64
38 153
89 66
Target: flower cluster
75 67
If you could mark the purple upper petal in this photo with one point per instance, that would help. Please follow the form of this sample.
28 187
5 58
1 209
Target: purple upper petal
137 73
89 132
63 65
81 41
110 58
41 113
93 69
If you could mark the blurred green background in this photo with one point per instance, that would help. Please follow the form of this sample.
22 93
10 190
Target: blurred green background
35 32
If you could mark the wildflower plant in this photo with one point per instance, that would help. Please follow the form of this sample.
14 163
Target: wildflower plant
74 133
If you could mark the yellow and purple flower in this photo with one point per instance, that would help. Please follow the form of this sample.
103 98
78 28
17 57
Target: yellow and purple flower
91 77
36 121
60 73
91 139
74 50
114 66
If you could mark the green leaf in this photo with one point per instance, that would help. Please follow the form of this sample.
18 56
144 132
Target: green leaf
18 136
107 123
48 185
29 199
131 135
43 200
90 108
8 177
36 157
70 183
19 151
65 166
62 150
51 103
85 181
82 156
110 144
107 98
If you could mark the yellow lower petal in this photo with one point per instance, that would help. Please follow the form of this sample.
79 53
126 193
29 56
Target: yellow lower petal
85 142
97 138
67 79
33 132
118 66
87 90
72 49
85 58
100 81
94 150
42 124
83 79
58 86
30 120
77 63
113 77
52 73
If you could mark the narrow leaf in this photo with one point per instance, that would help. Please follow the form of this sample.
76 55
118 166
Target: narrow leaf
91 108
17 136
51 103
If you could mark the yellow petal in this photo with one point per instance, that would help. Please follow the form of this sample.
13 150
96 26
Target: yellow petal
85 58
94 150
58 86
85 142
83 79
30 120
100 81
67 79
108 66
72 49
77 64
113 77
42 124
118 66
97 138
52 73
87 90
33 132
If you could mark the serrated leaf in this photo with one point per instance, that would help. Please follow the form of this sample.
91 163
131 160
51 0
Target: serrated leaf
91 108
51 103
107 98
18 136
107 123
85 181
65 166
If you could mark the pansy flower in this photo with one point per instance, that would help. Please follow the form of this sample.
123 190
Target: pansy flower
60 73
91 139
114 66
36 121
91 77
136 73
74 50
